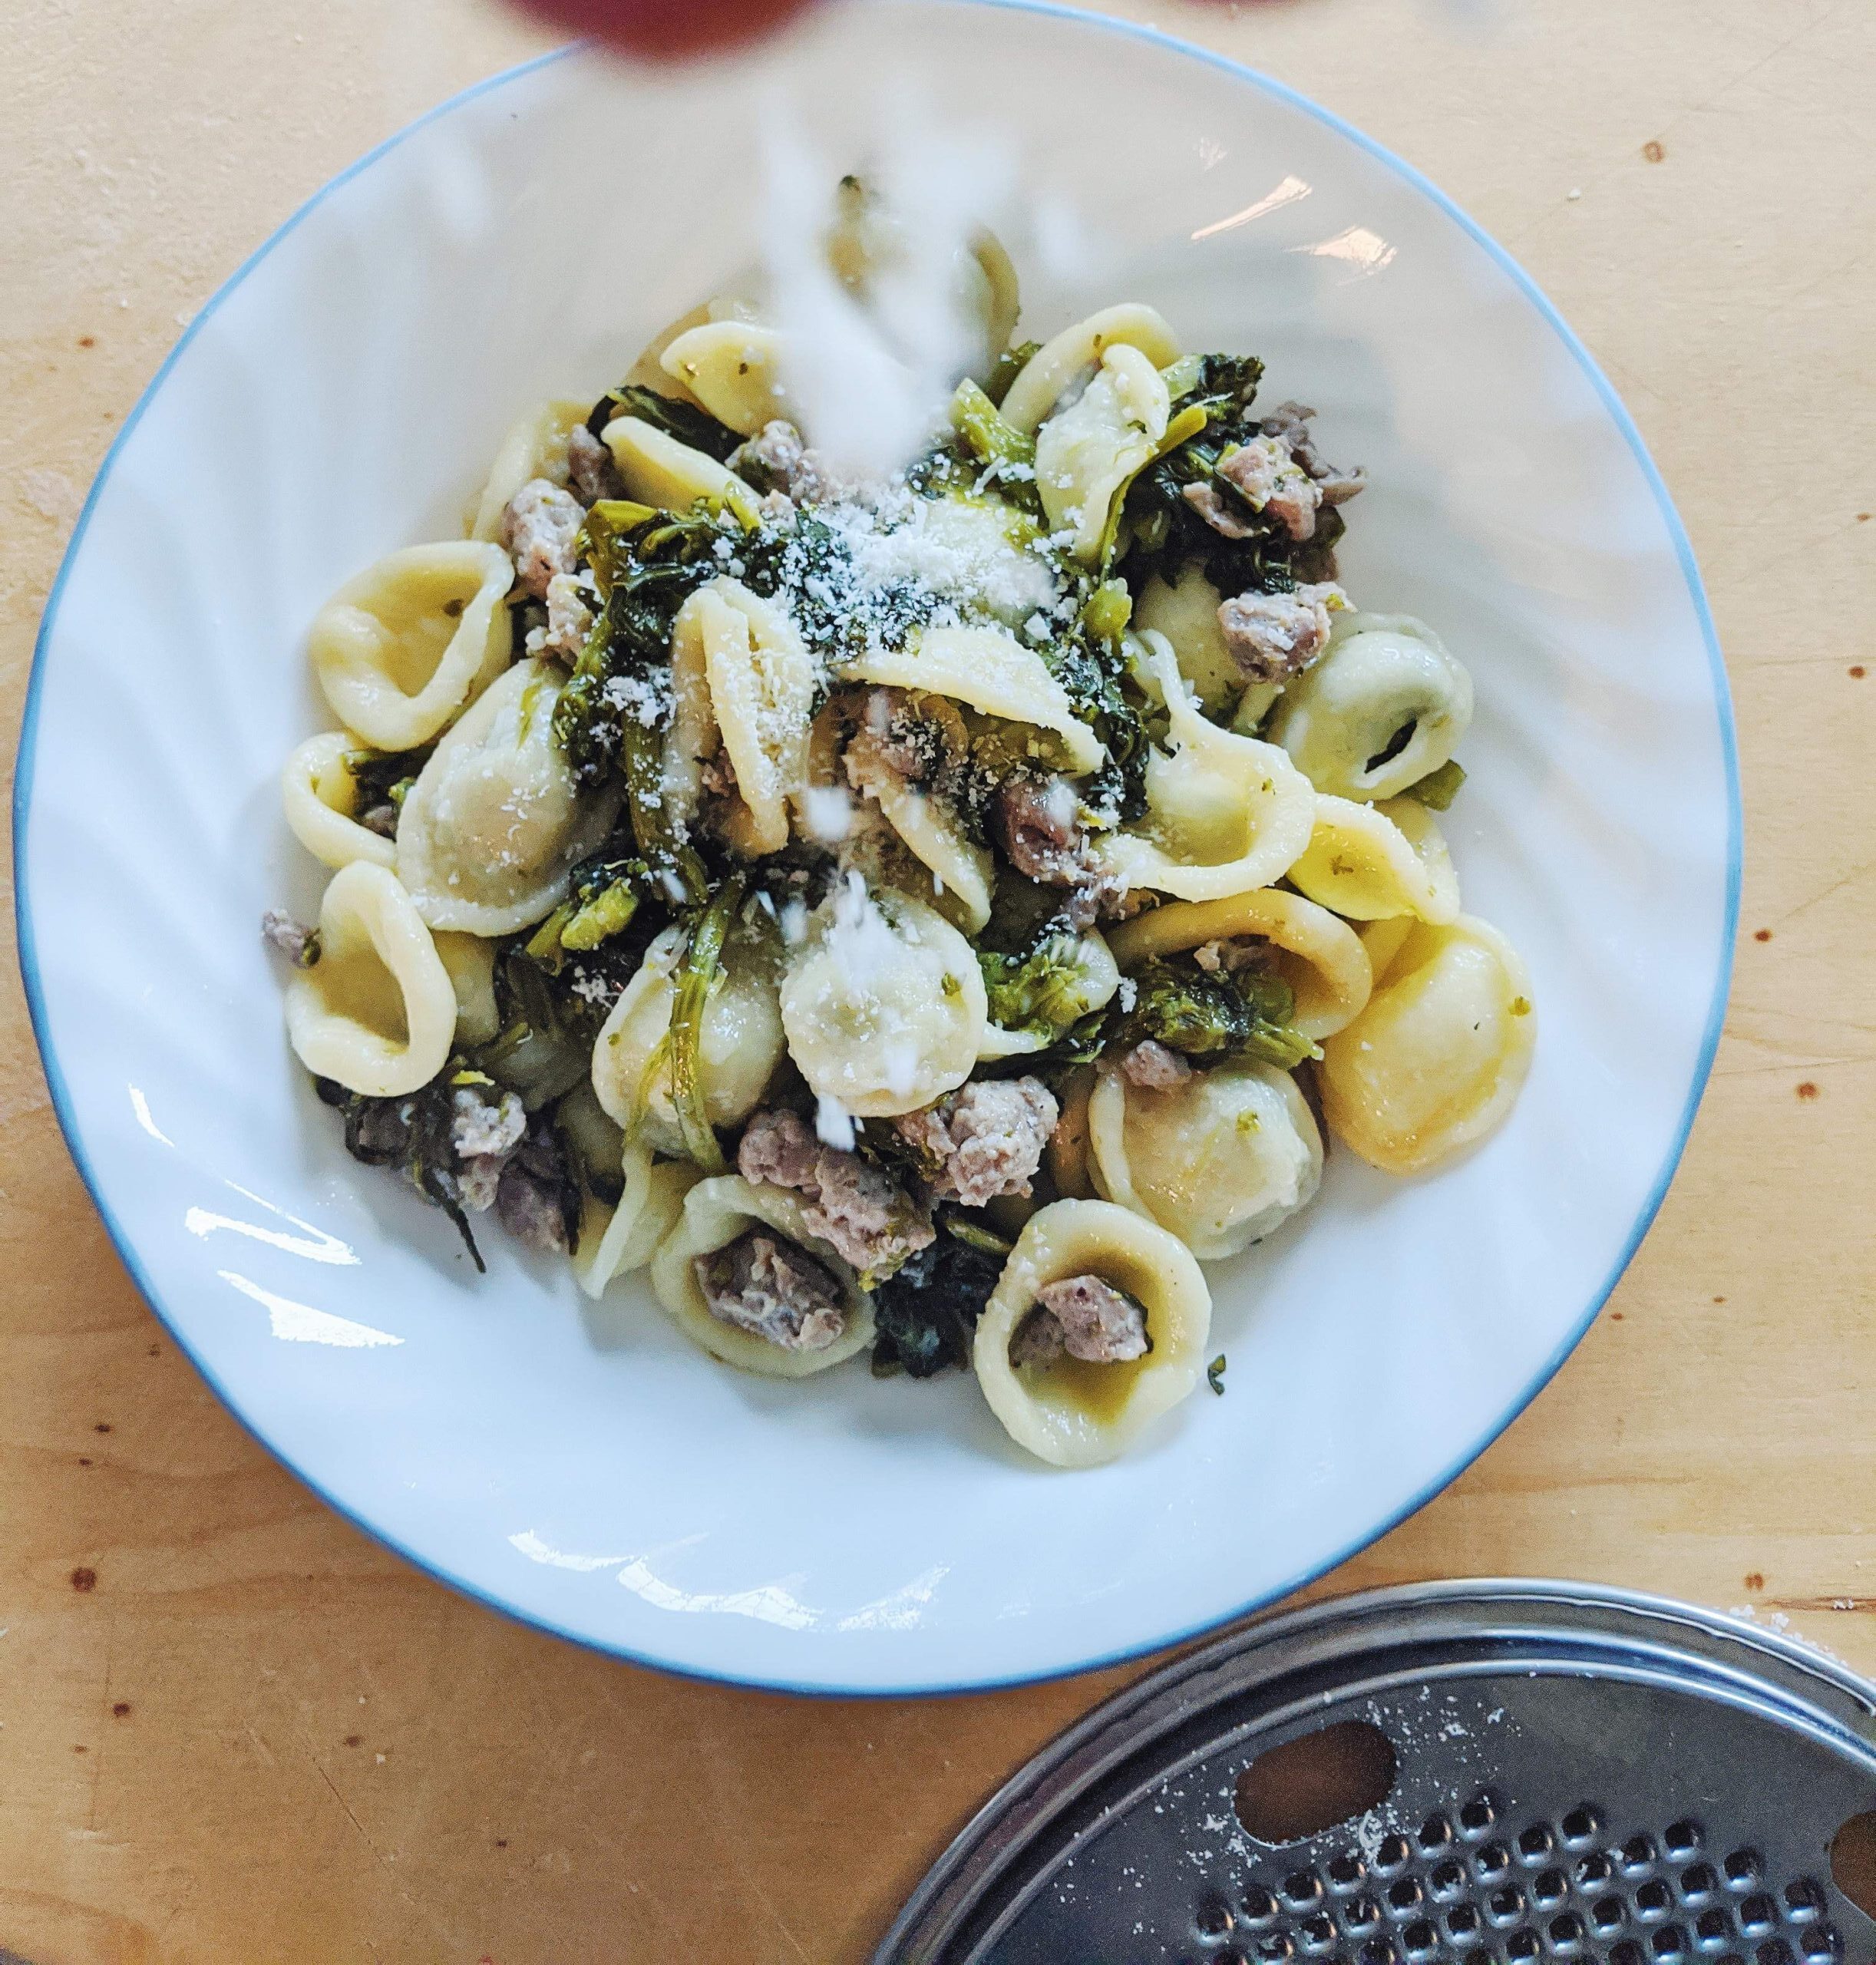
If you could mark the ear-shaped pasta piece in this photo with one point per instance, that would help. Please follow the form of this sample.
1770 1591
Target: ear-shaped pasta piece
376 1012
319 795
962 871
491 829
1436 1058
1318 955
1225 813
1085 453
1186 612
998 297
1368 862
992 671
734 369
1060 361
718 1212
400 648
761 682
1070 1411
614 1241
470 963
657 470
739 1043
1385 706
883 1003
1220 1159
536 447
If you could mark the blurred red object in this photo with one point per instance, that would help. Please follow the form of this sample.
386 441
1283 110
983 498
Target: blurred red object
670 29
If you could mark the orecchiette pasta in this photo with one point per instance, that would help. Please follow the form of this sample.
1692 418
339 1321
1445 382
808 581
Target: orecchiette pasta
615 1241
738 1047
400 650
490 831
992 671
962 871
320 795
471 962
1318 955
657 470
1185 611
1385 706
733 368
535 447
1087 453
716 1213
883 1003
760 682
1220 1159
376 1013
1061 361
1371 861
1071 1411
1435 1060
1224 813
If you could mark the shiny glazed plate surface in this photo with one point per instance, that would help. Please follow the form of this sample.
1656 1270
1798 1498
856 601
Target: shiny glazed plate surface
585 1467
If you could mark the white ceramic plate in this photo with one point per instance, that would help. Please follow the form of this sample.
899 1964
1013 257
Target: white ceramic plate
591 1471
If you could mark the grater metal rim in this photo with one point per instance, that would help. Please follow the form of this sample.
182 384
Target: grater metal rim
1546 1625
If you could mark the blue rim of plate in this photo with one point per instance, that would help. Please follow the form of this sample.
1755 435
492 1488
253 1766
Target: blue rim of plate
62 1101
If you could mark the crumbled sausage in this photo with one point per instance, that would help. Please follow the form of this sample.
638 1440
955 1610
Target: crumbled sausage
777 459
983 1139
1270 480
569 618
858 1209
1274 636
1155 1066
483 1132
772 1290
1086 1318
589 467
1217 511
298 943
381 818
1037 824
1290 424
536 1198
539 525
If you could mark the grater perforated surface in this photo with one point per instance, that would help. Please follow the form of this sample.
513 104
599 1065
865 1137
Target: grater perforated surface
1577 1777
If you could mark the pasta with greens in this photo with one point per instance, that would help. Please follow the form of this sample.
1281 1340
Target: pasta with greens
927 913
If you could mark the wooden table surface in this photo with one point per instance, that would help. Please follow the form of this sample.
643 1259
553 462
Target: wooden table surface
234 1730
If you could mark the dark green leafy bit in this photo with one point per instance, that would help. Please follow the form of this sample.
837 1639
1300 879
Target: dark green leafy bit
1439 788
926 1312
1008 454
595 1145
415 1134
1009 365
382 778
812 564
545 1045
1042 989
697 970
1090 662
1166 534
1214 1374
684 420
1245 1013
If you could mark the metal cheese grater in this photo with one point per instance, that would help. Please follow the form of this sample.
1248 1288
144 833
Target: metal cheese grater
1474 1774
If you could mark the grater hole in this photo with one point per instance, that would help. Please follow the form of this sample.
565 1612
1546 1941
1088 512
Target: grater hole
1420 1940
1742 1868
1567 1933
1681 1839
1628 1952
1523 1944
1232 1956
1302 1887
1317 1782
1535 1843
1581 1826
1712 1929
1637 1855
1345 1873
1276 1947
1593 1872
1319 1933
1362 1912
1260 1906
1699 1882
1377 1951
1435 1833
1393 1856
1462 1922
1494 1860
1405 1895
1506 1905
1670 1944
1853 1861
1552 1886
1759 1916
1775 1951
1608 1913
1803 1900
1821 1942
1214 1920
1654 1900
1447 1882
1477 1817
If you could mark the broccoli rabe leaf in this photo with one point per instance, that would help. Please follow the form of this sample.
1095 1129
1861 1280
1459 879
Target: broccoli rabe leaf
382 778
925 1314
684 420
1214 1015
1043 990
1008 366
697 970
1439 788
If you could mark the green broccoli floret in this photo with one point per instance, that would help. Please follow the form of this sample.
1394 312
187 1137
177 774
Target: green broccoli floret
1043 989
1212 1015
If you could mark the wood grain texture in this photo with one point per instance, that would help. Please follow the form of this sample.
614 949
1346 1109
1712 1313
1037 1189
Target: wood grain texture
233 1731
